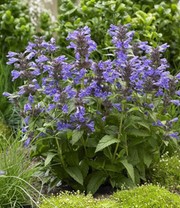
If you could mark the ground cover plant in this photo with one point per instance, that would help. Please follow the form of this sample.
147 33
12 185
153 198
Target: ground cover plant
96 122
144 196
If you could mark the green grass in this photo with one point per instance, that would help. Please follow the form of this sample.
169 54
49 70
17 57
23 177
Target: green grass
16 174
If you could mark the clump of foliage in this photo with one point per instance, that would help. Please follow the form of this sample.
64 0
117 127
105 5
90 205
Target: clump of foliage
96 122
16 174
147 196
167 172
144 196
155 22
68 200
15 26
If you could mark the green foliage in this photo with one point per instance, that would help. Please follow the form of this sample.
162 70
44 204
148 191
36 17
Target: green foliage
147 196
5 84
16 171
167 172
69 200
15 26
144 196
154 22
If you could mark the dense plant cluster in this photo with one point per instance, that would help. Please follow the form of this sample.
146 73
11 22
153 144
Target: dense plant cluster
156 22
96 121
15 26
16 174
144 196
89 114
167 173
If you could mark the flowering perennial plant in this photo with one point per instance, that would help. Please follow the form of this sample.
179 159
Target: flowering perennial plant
96 121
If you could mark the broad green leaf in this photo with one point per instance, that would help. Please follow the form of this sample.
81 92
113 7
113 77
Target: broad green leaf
49 158
96 180
129 169
83 165
138 132
134 109
105 142
72 158
147 157
75 173
76 136
145 125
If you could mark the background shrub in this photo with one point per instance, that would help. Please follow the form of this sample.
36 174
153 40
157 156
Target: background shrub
147 196
167 172
15 26
154 22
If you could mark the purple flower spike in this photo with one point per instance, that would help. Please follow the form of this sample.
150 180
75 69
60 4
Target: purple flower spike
81 42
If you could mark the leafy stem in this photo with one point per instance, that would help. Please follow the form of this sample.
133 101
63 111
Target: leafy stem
60 152
119 133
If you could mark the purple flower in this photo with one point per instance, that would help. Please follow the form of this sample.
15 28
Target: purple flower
65 108
162 48
30 55
175 102
178 76
26 120
56 97
70 92
51 107
174 135
11 54
63 126
174 120
47 68
27 142
163 81
6 94
27 107
82 43
117 106
178 92
79 115
158 123
31 99
12 60
145 47
15 74
90 125
41 59
36 72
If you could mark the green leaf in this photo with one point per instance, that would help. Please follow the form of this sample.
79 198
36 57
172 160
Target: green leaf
75 173
129 169
147 157
49 158
145 125
84 167
105 142
138 132
134 109
76 136
96 180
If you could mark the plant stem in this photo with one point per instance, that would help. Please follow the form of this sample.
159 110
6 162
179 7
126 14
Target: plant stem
119 133
60 152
